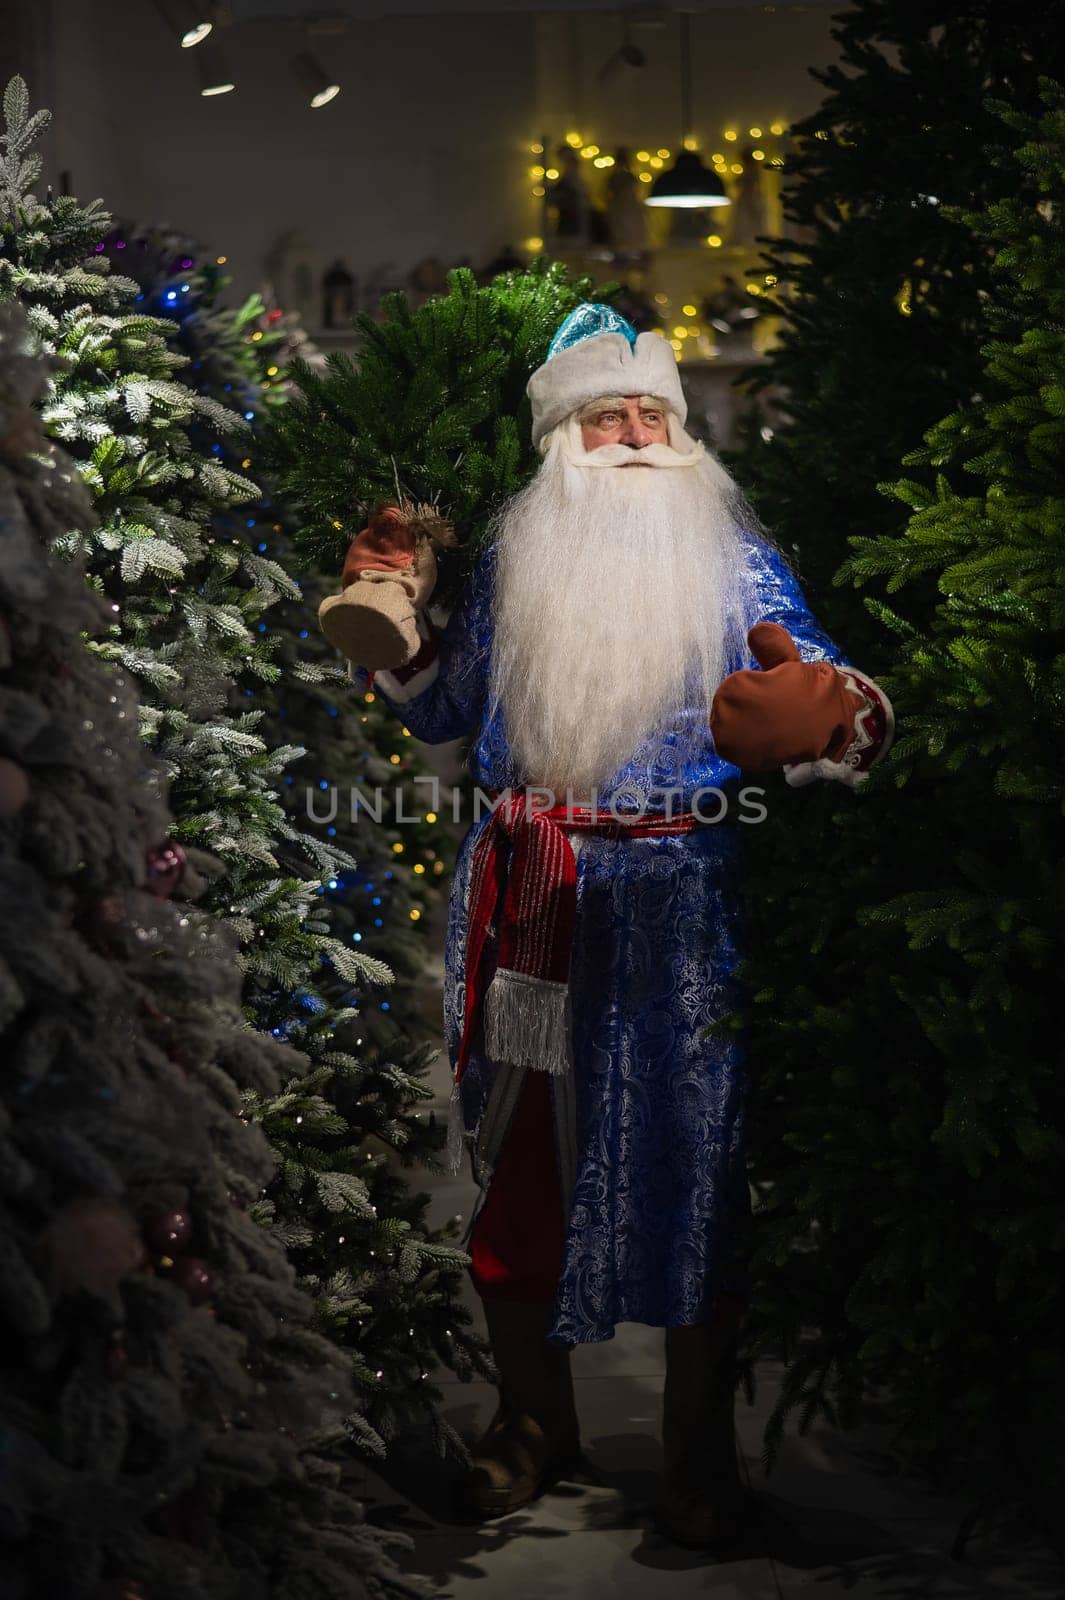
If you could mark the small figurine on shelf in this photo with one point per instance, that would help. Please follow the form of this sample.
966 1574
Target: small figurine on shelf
338 296
508 260
731 312
288 268
568 205
626 215
749 212
425 280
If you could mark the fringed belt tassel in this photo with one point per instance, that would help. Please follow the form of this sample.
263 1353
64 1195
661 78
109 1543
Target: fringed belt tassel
523 887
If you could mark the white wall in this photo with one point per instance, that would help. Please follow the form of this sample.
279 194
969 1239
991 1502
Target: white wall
425 151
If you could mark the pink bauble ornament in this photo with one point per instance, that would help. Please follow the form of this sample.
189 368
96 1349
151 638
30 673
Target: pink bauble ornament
168 1234
116 1361
14 787
194 1277
91 1244
164 864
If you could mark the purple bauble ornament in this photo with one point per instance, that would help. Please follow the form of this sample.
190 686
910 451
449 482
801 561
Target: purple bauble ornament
194 1277
164 864
168 1234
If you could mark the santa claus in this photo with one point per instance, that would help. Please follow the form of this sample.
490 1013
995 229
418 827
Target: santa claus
628 643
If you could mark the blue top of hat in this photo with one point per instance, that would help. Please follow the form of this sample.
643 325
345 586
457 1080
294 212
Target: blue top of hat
588 320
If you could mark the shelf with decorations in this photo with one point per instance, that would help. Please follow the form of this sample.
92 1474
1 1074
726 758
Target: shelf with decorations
695 275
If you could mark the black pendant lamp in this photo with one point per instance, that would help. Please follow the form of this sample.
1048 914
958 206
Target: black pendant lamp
688 183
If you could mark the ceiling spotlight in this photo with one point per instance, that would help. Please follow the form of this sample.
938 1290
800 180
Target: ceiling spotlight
214 74
188 21
313 77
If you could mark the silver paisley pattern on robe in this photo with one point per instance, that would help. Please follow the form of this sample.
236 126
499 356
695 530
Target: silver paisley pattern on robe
660 1183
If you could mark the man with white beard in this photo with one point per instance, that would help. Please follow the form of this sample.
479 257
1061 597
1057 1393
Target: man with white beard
626 644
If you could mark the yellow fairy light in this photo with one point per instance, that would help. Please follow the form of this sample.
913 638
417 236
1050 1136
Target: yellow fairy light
535 243
394 760
754 288
731 135
662 299
271 372
536 172
677 346
737 166
757 155
221 260
664 154
690 143
256 337
603 161
246 462
574 140
419 869
776 128
369 697
398 848
770 278
414 914
407 732
680 333
551 174
689 311
537 149
430 816
656 162
589 151
643 155
645 177
755 133
717 156
539 191
714 240
337 524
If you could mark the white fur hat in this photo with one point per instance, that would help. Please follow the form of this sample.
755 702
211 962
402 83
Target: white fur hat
596 352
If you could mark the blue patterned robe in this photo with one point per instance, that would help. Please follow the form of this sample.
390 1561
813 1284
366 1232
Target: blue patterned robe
659 1180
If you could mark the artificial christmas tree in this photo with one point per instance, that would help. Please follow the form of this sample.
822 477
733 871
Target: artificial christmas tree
167 1412
907 1142
186 598
433 412
881 300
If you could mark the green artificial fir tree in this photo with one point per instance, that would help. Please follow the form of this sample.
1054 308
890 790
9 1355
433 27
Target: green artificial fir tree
433 411
381 902
186 600
908 1144
878 287
169 1419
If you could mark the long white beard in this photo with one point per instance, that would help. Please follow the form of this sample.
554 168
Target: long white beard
620 603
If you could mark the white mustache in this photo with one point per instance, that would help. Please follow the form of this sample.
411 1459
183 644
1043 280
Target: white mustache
622 455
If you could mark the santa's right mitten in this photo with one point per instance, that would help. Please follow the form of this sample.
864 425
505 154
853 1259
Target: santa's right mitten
389 574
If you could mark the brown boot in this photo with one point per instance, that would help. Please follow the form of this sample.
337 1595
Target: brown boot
704 1502
534 1436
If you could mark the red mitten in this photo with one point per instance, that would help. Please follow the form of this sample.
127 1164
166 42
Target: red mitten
389 575
386 544
792 711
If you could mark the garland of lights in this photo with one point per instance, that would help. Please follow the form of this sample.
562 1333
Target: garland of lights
649 162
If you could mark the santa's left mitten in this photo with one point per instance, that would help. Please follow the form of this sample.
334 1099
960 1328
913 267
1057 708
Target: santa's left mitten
811 718
389 575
